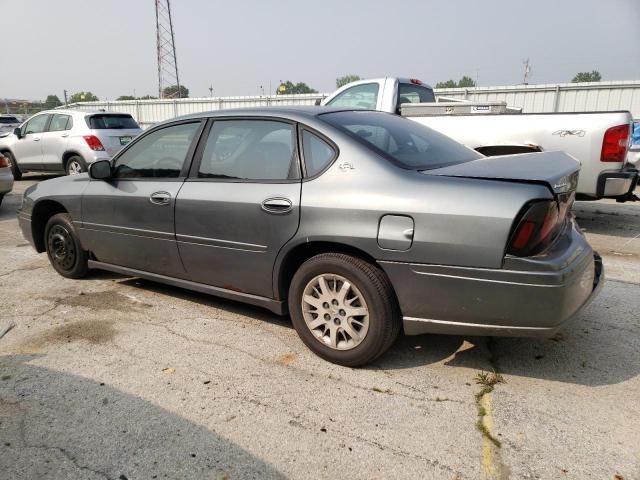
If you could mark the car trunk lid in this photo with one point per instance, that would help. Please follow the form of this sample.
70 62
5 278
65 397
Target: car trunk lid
558 170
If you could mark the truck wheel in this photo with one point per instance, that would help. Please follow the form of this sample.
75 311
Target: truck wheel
15 170
344 309
63 247
75 165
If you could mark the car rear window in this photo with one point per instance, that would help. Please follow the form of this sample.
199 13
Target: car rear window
9 120
403 141
111 121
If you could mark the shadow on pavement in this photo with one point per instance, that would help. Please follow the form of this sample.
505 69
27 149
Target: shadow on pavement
57 425
614 219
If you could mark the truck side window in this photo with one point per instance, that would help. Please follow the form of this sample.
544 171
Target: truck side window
410 93
363 96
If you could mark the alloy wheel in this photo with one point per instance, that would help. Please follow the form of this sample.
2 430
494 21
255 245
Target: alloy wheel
335 311
74 167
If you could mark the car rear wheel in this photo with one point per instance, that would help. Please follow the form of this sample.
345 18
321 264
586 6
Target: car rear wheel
15 170
75 165
344 309
63 247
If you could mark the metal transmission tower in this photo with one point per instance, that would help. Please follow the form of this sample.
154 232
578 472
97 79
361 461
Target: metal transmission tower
167 61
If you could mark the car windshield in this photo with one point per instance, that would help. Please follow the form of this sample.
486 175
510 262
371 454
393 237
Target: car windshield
110 121
9 120
401 140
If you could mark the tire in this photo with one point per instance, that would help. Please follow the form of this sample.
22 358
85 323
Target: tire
75 165
1 198
15 170
63 247
369 291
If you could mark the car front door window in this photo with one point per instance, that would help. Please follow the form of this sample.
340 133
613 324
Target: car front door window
36 125
160 154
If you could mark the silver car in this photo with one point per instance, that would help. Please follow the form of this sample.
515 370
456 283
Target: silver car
358 224
8 123
67 141
6 178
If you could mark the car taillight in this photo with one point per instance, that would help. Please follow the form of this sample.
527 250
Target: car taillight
536 229
4 161
415 81
615 144
93 142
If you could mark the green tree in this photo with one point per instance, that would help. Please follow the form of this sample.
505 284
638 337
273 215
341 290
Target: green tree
593 76
342 81
172 92
147 97
126 97
83 97
291 88
52 101
466 82
447 84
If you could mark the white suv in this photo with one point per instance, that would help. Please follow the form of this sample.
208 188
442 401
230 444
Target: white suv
66 140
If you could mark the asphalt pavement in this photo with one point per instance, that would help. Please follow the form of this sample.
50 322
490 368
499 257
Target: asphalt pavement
113 377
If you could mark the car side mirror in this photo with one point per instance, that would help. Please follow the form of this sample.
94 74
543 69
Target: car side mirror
100 170
17 132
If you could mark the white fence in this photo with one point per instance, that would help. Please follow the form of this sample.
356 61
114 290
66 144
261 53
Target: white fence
561 97
148 112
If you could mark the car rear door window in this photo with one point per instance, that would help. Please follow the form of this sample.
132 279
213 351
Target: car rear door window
359 96
249 150
159 154
36 125
60 123
318 154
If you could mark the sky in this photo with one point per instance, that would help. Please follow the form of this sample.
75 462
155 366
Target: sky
109 46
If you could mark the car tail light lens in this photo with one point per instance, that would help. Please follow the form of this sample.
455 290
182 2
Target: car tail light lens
94 142
415 81
537 228
4 161
615 144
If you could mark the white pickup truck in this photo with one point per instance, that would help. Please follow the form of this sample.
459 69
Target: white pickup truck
599 140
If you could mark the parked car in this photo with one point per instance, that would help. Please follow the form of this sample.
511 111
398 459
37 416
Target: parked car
634 148
357 223
8 123
599 140
67 141
6 178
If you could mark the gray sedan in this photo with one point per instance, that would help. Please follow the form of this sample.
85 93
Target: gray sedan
6 177
358 224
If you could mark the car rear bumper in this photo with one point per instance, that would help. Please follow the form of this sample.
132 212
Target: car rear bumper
528 297
617 183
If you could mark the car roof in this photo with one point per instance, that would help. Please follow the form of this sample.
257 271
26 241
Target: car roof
297 112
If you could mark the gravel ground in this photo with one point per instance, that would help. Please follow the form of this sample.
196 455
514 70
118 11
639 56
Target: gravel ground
119 378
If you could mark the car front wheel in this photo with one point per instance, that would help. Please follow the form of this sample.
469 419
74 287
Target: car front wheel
344 309
15 170
63 247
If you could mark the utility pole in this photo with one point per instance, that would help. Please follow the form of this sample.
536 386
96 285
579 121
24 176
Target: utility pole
66 104
166 49
527 71
211 91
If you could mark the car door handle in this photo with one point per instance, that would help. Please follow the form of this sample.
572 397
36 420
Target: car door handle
37 139
64 135
160 198
277 205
